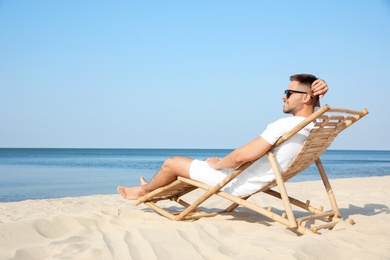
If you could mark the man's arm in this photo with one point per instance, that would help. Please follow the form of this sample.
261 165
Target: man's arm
251 151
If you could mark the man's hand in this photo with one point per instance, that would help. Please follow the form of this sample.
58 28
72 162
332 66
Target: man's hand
213 161
319 88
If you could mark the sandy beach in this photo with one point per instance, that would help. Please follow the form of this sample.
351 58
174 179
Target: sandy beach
110 227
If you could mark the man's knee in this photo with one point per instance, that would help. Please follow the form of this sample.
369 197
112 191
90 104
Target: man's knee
170 163
176 163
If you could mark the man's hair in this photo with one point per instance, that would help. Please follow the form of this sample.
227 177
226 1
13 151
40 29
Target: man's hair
305 79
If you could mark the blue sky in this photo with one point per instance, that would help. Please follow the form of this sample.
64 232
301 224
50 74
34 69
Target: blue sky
184 74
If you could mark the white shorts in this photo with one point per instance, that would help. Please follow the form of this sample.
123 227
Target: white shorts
240 186
201 171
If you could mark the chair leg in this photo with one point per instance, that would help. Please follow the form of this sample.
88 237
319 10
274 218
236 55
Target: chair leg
282 190
328 188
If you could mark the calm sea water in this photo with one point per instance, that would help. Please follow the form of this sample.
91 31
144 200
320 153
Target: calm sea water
53 173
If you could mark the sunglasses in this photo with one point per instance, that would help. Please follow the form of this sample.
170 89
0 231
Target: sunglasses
289 92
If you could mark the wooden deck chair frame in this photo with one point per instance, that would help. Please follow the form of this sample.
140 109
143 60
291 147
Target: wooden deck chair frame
329 122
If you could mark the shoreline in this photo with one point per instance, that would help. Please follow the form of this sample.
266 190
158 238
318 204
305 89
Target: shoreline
110 227
114 188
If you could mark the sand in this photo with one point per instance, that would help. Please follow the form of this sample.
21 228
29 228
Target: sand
110 227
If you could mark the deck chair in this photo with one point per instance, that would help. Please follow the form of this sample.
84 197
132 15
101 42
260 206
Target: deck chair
329 122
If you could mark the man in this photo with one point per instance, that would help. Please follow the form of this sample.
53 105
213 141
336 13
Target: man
299 99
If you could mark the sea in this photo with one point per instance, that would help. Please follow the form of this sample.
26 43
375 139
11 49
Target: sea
28 174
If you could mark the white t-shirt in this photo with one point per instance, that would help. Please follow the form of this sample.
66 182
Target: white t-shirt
260 172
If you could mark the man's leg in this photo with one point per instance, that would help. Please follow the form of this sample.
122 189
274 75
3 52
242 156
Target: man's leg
169 171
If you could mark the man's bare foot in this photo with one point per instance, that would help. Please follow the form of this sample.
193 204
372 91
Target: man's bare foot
131 193
143 181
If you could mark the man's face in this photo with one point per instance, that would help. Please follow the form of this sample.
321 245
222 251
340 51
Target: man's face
293 99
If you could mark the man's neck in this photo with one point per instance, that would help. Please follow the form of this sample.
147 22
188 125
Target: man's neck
305 112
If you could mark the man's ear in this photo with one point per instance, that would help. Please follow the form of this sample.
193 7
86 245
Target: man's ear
307 98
